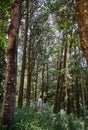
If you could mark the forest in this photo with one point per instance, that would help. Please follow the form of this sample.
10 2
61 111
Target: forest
44 53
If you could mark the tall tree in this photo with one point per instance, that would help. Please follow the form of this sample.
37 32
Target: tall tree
20 96
58 87
31 51
29 69
82 19
43 78
10 83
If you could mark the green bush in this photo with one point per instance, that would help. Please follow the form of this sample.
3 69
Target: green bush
67 122
28 118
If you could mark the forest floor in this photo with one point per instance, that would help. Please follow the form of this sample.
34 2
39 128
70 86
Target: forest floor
28 118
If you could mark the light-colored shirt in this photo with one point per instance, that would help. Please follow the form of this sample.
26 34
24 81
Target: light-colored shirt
39 101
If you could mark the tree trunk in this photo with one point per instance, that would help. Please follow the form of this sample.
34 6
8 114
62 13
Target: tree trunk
28 91
77 98
10 83
31 59
58 91
82 19
67 101
36 85
20 96
43 80
47 84
57 97
29 77
72 100
83 101
67 105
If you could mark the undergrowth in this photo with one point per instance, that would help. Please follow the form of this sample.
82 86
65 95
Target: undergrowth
28 118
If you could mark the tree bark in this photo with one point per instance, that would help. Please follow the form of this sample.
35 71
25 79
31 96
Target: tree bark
10 82
77 98
31 59
29 77
83 101
43 80
47 84
20 95
67 101
36 85
58 92
82 19
67 105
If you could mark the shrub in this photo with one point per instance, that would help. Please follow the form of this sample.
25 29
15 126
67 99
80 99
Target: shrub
28 118
66 122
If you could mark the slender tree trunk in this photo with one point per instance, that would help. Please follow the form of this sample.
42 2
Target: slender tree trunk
20 96
57 97
67 105
77 98
36 85
67 101
28 91
83 101
86 91
82 19
72 100
29 77
43 80
58 87
47 85
10 83
31 60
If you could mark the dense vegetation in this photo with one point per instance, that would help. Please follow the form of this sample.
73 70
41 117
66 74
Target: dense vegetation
42 53
28 118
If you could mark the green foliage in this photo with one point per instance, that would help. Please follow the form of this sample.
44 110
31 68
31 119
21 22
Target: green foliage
28 118
67 122
4 5
54 5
